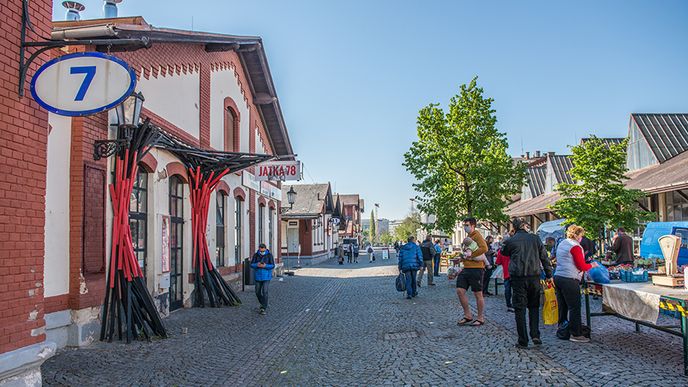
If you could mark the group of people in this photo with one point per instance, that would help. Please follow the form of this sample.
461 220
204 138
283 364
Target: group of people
526 263
414 260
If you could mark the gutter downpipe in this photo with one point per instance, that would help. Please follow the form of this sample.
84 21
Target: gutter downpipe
84 32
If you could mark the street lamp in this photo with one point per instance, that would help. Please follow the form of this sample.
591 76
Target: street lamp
291 199
128 115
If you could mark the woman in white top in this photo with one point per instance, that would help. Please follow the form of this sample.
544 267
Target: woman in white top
570 268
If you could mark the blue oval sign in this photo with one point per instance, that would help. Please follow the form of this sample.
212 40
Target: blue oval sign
83 83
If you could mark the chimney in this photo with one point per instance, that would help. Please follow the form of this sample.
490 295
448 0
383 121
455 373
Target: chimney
73 9
110 8
550 154
537 153
527 155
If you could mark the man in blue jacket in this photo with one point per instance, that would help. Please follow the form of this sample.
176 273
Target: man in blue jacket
262 264
410 260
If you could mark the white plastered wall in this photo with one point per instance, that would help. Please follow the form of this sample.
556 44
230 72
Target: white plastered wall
163 97
224 84
56 267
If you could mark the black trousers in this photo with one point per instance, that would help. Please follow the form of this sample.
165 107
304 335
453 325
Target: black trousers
262 293
569 303
526 295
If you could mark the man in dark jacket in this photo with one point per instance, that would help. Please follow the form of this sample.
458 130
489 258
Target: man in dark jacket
589 248
528 257
262 264
427 248
410 260
623 247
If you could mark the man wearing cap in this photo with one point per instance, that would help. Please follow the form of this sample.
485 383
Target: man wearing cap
527 259
262 264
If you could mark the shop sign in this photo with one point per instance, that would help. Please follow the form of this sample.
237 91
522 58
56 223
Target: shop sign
279 170
249 181
83 83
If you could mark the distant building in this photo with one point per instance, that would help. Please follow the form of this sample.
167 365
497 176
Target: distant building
352 208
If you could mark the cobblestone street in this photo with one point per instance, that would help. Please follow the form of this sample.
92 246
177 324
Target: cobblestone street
346 325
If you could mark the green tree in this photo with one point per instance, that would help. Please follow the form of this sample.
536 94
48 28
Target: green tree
409 226
387 238
372 232
460 161
598 198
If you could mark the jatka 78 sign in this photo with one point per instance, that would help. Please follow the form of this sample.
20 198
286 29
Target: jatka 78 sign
279 170
82 83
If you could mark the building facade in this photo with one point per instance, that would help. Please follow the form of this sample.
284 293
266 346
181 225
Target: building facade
210 91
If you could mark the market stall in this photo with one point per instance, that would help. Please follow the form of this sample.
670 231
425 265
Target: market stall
635 299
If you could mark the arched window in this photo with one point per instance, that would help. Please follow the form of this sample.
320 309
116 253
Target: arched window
231 129
220 229
138 215
238 224
176 242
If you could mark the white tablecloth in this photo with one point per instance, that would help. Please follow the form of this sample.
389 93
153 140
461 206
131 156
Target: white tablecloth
639 301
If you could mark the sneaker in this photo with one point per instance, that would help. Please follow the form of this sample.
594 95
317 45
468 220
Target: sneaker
537 341
510 310
579 339
263 311
431 284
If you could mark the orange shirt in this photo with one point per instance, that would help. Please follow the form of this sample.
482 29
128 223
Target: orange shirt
482 249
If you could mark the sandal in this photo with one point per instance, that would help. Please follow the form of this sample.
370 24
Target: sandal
477 323
464 321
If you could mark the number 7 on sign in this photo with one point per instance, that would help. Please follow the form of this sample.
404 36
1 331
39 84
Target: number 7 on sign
90 72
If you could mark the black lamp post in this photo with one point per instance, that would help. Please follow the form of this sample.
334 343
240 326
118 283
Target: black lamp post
291 199
128 115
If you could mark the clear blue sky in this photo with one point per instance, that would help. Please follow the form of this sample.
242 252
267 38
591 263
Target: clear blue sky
352 75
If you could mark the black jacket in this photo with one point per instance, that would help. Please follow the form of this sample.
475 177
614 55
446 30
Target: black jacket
527 254
428 250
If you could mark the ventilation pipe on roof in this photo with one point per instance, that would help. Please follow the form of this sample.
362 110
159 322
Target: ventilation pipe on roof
73 9
550 154
110 8
527 155
537 153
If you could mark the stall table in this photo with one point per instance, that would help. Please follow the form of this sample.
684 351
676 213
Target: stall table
640 303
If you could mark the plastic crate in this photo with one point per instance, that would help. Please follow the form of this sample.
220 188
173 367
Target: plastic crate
670 313
629 276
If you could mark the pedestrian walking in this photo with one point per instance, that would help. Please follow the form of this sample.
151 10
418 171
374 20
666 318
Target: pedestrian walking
350 257
527 259
489 267
472 276
427 248
438 258
503 260
410 260
262 264
570 268
371 254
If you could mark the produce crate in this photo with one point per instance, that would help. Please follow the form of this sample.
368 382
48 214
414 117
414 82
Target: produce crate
670 313
629 276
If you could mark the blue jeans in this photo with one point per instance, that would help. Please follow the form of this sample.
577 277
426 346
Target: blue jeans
262 293
437 265
507 293
411 289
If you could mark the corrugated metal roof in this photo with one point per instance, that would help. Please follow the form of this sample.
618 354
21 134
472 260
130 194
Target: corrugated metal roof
561 164
665 177
533 206
666 134
536 180
606 140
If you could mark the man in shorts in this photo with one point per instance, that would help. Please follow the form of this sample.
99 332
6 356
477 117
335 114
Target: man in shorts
472 277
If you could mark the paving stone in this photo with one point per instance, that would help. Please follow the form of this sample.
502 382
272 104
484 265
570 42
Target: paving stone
347 326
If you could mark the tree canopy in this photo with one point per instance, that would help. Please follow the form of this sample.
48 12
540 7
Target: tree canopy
460 161
598 197
409 226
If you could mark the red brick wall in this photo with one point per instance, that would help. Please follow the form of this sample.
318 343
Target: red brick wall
23 141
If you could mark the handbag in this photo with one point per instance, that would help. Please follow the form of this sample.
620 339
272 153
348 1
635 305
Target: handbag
401 282
550 311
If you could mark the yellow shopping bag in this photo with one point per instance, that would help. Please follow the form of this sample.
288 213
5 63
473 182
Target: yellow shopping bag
550 312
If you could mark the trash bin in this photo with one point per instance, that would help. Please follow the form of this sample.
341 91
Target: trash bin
248 272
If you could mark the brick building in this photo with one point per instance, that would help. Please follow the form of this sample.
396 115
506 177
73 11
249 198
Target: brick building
209 90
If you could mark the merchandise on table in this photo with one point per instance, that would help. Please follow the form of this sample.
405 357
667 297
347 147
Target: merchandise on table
636 275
